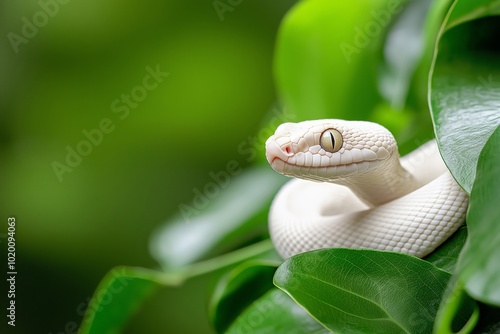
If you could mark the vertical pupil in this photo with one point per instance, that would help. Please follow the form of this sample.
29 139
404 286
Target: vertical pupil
333 140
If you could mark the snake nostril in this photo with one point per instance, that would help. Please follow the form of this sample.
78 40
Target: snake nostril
274 151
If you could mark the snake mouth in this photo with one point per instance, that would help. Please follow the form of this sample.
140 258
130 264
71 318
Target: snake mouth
321 173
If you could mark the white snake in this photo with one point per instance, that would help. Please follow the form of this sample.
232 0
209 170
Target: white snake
366 197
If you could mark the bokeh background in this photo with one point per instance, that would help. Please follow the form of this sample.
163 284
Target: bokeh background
62 80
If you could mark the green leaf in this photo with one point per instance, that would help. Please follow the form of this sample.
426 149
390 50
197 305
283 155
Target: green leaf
365 291
478 270
446 255
479 265
239 288
275 313
465 85
236 216
327 57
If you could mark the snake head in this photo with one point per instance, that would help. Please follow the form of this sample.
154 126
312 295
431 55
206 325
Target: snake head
325 150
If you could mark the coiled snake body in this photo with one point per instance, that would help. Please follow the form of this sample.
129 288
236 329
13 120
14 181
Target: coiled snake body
366 197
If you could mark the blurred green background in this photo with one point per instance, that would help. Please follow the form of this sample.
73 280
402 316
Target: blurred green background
61 81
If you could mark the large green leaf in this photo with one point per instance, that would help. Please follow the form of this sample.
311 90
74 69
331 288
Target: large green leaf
465 85
464 90
212 225
479 265
478 269
365 291
275 313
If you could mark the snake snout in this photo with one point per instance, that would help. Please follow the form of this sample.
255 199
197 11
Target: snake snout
275 151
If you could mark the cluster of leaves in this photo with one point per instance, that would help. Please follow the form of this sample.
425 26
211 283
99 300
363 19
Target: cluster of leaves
410 66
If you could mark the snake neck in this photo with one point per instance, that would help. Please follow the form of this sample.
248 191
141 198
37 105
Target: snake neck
384 184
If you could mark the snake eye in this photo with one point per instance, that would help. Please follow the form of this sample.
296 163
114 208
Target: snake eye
331 140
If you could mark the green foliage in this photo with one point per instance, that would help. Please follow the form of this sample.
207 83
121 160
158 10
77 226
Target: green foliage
111 307
478 263
275 312
334 59
464 86
245 301
364 291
